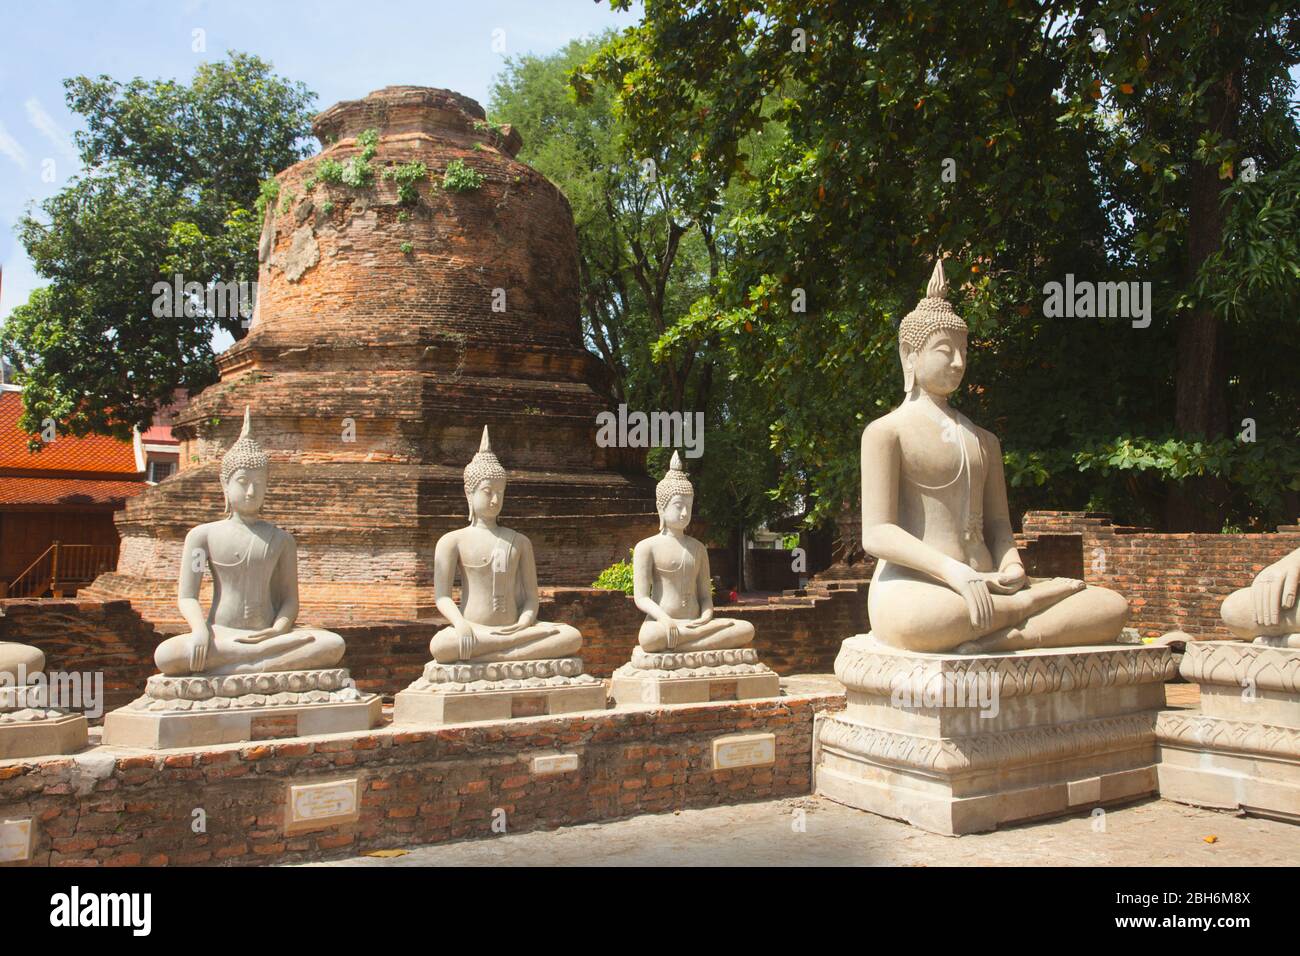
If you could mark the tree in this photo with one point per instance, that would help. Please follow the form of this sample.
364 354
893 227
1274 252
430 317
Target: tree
1006 137
647 251
170 187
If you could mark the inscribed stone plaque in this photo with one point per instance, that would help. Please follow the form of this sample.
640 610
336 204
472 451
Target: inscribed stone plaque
316 805
15 840
722 690
554 763
273 726
528 706
744 750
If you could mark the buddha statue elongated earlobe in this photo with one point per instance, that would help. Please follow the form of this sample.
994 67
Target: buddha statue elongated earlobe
909 369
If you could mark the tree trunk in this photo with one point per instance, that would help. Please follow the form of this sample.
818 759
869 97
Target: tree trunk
1200 374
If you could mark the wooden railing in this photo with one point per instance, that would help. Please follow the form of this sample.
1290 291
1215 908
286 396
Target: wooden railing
62 567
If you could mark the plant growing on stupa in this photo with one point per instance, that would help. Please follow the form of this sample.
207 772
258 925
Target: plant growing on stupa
406 176
460 178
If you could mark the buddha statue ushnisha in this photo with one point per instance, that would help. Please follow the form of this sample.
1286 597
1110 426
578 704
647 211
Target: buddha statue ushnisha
496 619
250 626
935 514
671 581
1267 611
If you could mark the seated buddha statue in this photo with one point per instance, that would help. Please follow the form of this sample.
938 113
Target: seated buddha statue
1266 611
19 663
671 582
496 619
250 626
935 514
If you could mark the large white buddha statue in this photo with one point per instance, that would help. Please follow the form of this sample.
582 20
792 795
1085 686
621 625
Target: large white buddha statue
1266 612
496 619
250 627
935 514
671 581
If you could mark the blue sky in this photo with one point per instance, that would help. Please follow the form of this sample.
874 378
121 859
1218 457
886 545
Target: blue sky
340 50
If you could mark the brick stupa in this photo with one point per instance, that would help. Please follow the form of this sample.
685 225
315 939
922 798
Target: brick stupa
378 317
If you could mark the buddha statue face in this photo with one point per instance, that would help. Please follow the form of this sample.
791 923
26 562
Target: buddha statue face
938 366
676 514
487 498
245 491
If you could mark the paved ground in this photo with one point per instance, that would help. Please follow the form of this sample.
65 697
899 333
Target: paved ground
1154 832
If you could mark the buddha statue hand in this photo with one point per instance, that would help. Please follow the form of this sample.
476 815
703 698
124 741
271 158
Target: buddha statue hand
978 587
526 620
200 644
1274 589
257 637
465 636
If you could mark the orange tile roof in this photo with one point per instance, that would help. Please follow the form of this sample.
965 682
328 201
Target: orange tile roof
94 453
66 491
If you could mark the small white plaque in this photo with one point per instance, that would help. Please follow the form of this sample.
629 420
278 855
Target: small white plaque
554 763
744 750
315 805
15 840
1087 790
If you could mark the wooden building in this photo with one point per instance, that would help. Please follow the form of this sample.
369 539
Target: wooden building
57 504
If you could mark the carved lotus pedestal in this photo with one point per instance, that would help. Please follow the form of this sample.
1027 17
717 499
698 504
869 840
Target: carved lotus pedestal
693 677
199 711
29 727
965 743
1241 750
460 693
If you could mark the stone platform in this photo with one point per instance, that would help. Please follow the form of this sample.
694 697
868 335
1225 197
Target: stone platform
693 677
456 693
1241 750
966 743
200 711
30 727
327 796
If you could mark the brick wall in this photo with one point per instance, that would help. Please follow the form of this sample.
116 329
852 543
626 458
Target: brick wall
1172 581
415 787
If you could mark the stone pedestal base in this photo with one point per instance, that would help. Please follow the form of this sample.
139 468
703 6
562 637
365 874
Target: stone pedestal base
965 743
30 727
461 693
201 711
693 677
38 733
1241 751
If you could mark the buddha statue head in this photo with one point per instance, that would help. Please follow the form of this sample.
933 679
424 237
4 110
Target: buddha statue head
244 470
674 496
932 341
485 482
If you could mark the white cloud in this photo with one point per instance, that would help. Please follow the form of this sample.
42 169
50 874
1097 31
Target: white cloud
44 122
9 147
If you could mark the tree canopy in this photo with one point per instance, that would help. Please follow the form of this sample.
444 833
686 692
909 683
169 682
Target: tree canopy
169 187
1026 142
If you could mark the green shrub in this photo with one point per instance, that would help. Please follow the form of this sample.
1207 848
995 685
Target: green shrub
326 207
286 203
368 140
268 191
460 178
616 577
407 248
327 171
406 176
